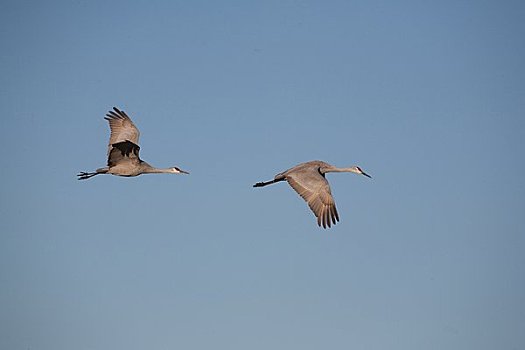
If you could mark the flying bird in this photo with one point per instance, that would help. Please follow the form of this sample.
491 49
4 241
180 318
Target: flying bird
123 150
308 180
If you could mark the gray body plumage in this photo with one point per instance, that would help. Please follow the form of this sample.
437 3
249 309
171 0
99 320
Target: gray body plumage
308 180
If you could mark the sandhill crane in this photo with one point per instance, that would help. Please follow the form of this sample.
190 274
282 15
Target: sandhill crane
308 180
123 150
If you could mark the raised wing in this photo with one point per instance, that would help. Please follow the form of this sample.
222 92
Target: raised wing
122 128
122 153
315 190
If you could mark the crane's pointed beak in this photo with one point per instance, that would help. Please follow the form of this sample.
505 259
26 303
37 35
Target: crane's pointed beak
183 172
365 174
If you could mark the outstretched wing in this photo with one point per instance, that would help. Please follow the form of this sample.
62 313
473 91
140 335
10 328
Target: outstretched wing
122 128
315 190
122 153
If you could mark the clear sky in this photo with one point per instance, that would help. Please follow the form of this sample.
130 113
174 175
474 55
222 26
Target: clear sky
426 96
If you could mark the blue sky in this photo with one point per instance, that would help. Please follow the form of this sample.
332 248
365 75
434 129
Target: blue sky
427 97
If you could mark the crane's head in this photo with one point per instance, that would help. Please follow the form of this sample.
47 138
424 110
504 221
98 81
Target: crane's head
177 170
358 170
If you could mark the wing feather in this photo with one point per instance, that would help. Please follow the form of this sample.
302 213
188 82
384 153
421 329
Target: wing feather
315 190
122 128
125 152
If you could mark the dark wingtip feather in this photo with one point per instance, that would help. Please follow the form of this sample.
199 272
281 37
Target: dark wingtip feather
115 114
121 113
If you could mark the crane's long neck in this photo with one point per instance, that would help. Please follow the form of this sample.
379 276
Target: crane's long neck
148 169
158 171
341 170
